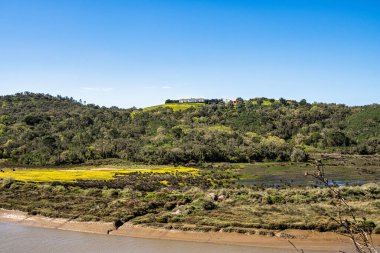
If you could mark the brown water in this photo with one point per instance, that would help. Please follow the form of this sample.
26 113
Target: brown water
23 239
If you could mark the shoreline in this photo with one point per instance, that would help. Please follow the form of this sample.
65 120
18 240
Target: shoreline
303 239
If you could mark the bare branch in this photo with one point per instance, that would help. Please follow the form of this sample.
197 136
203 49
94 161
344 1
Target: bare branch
353 228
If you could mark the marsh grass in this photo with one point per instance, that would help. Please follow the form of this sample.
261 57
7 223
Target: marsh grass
230 209
205 199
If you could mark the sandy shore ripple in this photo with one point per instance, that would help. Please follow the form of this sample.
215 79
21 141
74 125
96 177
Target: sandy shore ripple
306 240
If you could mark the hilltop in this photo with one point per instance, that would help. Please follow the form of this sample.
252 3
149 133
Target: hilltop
40 129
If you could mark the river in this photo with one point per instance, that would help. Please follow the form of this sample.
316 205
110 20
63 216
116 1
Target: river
23 239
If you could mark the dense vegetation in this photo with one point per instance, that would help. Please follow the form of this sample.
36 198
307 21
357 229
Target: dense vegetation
39 129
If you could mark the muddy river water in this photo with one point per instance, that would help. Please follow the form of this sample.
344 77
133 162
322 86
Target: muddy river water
16 238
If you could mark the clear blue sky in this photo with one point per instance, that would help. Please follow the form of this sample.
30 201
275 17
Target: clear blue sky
140 52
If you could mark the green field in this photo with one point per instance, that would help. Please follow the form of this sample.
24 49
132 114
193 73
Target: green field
174 106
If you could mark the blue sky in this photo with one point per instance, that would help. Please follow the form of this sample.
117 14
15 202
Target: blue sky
138 53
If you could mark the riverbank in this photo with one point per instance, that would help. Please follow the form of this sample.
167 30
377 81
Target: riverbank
307 240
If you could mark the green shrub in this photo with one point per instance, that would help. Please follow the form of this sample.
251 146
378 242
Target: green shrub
298 155
274 199
170 205
177 218
209 205
163 218
6 182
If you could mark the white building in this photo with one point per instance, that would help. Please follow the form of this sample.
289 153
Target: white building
192 100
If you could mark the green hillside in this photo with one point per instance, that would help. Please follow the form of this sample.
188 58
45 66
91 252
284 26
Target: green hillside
365 122
39 129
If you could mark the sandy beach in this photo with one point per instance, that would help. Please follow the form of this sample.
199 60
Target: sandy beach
306 240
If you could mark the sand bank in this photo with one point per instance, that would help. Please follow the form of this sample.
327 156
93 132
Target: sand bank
307 240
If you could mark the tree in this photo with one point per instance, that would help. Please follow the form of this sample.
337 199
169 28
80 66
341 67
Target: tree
336 138
298 155
283 101
249 104
230 105
303 102
240 104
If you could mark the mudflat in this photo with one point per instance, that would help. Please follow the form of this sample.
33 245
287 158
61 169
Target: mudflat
302 239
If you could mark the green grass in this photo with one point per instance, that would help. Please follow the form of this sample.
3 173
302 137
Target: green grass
174 107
